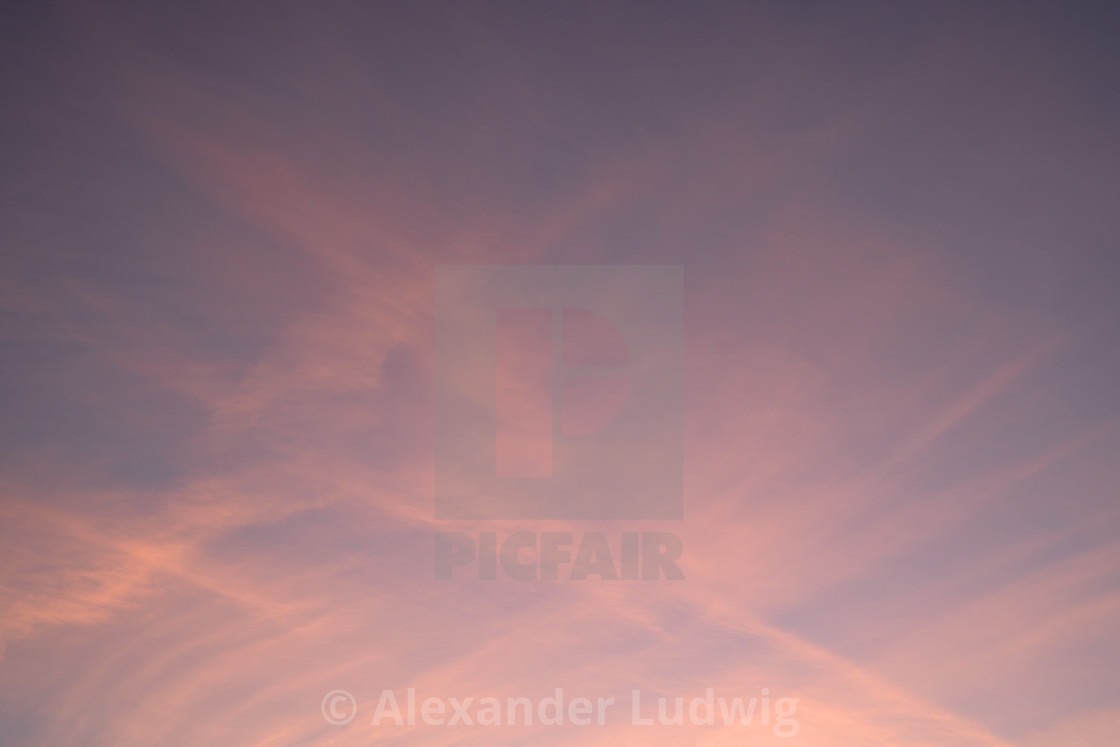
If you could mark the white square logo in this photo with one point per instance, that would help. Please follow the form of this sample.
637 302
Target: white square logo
558 392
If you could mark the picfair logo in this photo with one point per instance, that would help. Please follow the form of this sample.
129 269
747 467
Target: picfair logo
558 392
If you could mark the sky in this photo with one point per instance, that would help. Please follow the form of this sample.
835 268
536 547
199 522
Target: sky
897 234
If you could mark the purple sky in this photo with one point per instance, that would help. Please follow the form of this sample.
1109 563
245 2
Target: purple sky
900 241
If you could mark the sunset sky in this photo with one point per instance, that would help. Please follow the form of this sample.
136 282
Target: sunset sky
898 227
